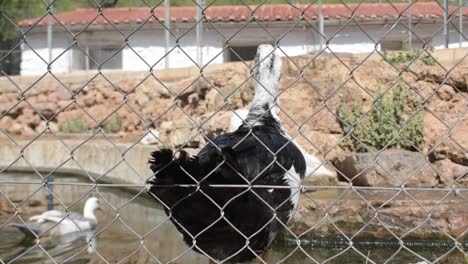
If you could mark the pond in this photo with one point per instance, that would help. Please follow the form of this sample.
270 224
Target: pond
134 229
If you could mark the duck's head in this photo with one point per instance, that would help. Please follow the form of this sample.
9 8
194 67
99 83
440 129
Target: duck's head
91 205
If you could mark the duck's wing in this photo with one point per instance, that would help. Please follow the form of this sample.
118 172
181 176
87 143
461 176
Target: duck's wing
46 215
77 217
254 155
34 229
69 222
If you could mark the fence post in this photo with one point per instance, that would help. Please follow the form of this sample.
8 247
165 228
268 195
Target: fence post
50 31
200 5
167 25
446 33
410 26
460 23
320 22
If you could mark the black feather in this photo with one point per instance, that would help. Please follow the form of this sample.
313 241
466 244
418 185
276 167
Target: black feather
259 158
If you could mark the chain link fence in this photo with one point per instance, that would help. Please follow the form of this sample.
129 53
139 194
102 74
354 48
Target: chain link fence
373 92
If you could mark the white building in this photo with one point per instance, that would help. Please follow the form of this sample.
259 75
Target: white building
133 39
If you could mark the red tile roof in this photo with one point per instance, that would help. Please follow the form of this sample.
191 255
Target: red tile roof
273 12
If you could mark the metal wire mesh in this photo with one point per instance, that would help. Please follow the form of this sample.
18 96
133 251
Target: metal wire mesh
71 136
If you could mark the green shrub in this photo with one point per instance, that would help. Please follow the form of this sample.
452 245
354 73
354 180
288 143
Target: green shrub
407 56
112 124
376 129
428 60
75 125
400 56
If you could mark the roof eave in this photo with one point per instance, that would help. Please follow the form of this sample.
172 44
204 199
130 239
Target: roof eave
271 24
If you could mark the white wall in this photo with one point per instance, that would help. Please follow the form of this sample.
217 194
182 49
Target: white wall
353 39
147 46
150 46
35 54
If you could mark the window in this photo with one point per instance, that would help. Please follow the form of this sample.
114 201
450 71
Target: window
392 45
238 53
107 57
78 62
416 43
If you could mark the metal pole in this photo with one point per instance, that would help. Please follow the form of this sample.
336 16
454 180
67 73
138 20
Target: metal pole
167 24
320 22
460 24
410 26
200 5
446 33
50 30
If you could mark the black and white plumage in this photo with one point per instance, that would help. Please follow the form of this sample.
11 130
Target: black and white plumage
232 223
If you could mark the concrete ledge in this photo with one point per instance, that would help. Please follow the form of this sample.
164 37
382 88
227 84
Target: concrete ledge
164 75
446 57
95 159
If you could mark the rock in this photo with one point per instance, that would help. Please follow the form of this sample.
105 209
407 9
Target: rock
6 122
129 121
52 127
89 100
216 124
214 100
7 101
63 94
34 203
434 74
6 207
30 118
392 168
149 87
28 131
47 109
63 104
15 128
445 143
141 98
180 133
100 112
151 138
42 98
459 143
222 80
459 79
184 88
450 172
445 92
350 212
126 85
423 91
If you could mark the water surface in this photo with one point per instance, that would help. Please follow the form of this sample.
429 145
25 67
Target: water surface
134 229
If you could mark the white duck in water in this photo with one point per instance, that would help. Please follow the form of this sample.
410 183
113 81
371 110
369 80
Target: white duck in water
59 223
314 168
